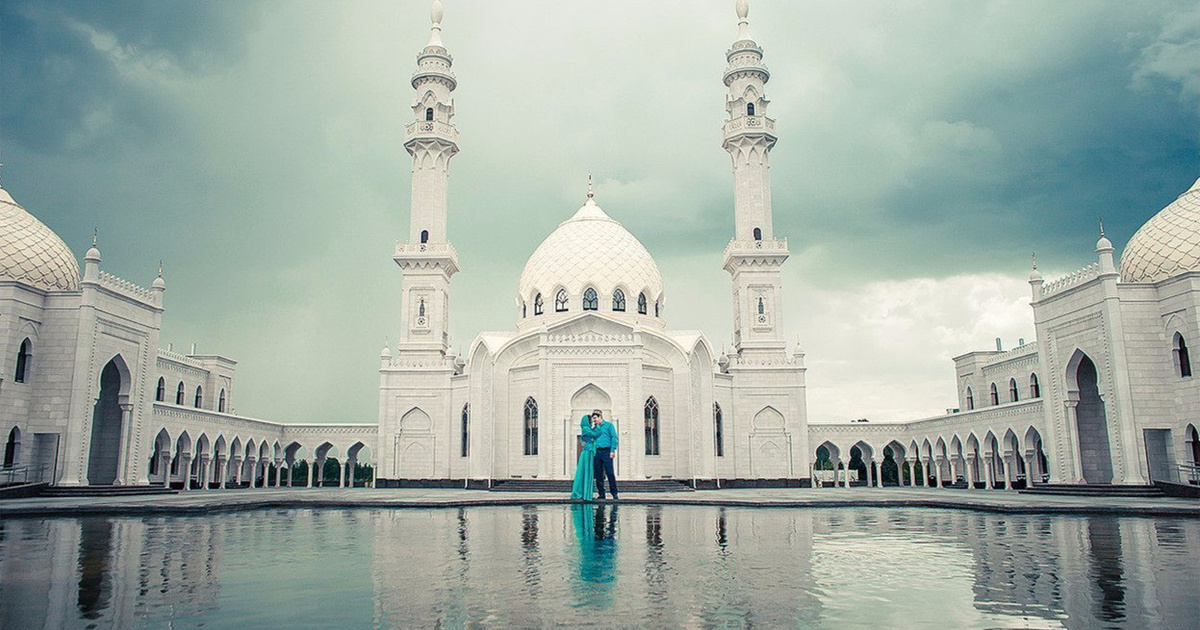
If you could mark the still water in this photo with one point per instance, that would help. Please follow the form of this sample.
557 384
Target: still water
603 566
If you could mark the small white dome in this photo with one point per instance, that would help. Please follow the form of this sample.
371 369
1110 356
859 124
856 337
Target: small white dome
1168 244
32 253
590 250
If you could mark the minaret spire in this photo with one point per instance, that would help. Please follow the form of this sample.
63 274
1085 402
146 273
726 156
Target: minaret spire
435 16
743 13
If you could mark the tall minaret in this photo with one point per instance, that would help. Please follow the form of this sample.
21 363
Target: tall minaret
428 259
753 257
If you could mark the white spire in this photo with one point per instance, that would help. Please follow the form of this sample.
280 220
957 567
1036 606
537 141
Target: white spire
743 12
435 16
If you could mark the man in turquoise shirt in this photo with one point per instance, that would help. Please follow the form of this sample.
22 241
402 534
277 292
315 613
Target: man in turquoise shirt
606 452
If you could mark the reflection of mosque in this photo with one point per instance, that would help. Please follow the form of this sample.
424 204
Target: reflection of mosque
677 565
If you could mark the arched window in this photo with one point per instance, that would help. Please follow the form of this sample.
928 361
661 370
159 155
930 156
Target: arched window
199 396
619 300
1013 393
12 448
524 309
531 428
719 430
657 308
970 399
424 236
23 356
758 234
1182 358
221 402
762 307
749 109
642 303
1035 389
428 113
652 443
995 395
179 394
160 393
466 426
590 300
560 301
538 305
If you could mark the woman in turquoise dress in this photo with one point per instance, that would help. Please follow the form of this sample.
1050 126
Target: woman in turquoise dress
585 480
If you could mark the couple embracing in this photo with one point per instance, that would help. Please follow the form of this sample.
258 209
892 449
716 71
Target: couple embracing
596 460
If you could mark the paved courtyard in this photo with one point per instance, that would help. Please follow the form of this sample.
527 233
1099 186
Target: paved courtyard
228 500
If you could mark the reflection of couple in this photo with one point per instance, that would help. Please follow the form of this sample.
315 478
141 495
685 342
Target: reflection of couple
596 459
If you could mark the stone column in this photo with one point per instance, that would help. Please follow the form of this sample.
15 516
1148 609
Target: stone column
939 463
185 469
252 470
912 472
278 474
988 463
164 462
846 481
222 472
924 472
970 476
878 470
341 474
1008 478
202 472
1031 470
123 449
235 469
312 475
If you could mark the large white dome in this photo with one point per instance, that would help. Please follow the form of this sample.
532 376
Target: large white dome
1168 244
590 250
32 253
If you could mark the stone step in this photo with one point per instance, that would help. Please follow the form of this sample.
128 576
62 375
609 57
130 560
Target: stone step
564 485
1095 489
104 491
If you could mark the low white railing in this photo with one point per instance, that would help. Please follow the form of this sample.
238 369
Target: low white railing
431 127
752 123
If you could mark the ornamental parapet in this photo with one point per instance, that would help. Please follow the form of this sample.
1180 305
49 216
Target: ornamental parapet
206 418
427 255
125 288
430 130
749 124
1075 278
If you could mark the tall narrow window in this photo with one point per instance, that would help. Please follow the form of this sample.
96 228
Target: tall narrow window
719 430
758 234
749 109
538 305
970 399
531 426
424 236
1035 388
221 402
199 396
1013 393
642 303
179 394
1182 358
524 309
591 302
995 395
652 441
23 355
160 392
560 301
762 307
619 300
428 113
657 308
466 430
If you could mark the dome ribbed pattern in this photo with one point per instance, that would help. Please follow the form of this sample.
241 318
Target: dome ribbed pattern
1168 244
590 250
32 253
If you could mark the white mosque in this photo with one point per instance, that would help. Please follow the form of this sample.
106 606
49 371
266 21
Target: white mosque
1105 395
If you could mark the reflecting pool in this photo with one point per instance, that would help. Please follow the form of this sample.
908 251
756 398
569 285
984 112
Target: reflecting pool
634 565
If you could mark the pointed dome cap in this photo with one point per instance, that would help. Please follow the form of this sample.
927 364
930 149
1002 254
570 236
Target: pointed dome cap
590 250
1168 244
32 253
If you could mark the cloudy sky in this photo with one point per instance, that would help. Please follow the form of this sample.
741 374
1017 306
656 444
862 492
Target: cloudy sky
926 150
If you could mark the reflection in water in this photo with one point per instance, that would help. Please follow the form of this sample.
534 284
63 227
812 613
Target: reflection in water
587 564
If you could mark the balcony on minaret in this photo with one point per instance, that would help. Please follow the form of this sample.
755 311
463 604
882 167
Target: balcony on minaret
749 125
760 252
430 130
427 256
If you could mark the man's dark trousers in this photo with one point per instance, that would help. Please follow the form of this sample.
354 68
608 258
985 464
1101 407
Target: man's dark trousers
603 465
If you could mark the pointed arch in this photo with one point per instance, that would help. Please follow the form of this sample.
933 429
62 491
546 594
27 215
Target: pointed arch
108 419
1035 387
718 429
768 420
1091 419
562 302
618 301
995 395
415 420
12 448
465 431
199 400
970 398
1183 359
1014 394
160 392
590 397
539 305
179 394
591 300
24 360
642 303
221 401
